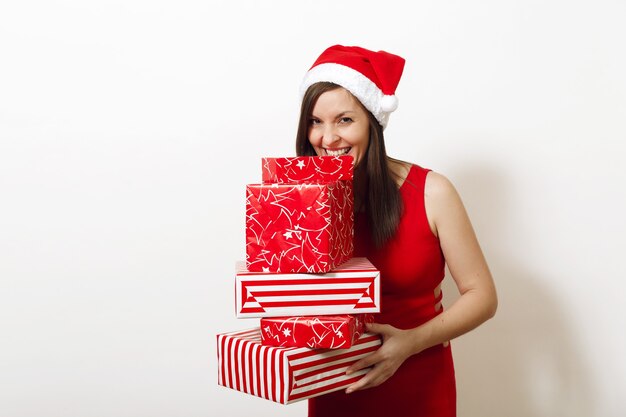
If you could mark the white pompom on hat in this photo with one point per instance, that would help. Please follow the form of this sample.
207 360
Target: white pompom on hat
372 77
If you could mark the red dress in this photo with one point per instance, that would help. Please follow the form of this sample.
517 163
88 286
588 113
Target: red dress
412 266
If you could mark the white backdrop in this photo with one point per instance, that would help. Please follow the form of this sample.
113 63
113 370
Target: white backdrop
128 130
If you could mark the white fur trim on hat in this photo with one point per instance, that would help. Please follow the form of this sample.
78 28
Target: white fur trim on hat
356 83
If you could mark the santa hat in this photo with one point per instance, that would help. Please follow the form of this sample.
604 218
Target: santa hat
372 77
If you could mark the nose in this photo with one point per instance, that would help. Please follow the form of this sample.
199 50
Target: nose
330 136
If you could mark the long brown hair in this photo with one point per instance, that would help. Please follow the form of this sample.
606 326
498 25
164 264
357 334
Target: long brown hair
383 202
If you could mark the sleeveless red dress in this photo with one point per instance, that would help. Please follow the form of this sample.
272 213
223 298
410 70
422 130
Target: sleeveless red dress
411 266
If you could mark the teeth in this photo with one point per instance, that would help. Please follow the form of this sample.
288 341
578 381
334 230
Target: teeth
338 152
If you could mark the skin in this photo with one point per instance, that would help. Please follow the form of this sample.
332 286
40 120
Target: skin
340 122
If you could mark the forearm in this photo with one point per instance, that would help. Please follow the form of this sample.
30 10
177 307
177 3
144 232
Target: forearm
473 308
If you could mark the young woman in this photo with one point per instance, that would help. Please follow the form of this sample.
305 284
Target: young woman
409 222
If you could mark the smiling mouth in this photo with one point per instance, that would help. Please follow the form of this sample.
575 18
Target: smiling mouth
337 152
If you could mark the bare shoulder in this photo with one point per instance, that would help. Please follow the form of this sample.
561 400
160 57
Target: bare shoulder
438 186
441 200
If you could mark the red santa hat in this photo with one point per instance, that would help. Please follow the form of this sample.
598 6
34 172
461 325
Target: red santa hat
372 77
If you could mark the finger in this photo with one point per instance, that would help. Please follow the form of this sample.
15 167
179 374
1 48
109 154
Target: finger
378 328
371 379
365 362
360 384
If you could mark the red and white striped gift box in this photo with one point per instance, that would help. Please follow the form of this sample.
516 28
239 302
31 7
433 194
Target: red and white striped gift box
352 288
286 375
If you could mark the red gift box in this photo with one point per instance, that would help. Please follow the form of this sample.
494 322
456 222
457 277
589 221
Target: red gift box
299 227
307 169
286 375
330 332
352 288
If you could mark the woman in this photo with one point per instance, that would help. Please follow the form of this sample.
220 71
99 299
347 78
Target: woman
410 222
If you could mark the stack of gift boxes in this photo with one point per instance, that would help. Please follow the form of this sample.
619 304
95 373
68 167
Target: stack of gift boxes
312 297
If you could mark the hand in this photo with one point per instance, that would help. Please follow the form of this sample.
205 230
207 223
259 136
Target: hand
386 360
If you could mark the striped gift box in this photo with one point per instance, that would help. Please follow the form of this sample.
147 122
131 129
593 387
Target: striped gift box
352 288
286 375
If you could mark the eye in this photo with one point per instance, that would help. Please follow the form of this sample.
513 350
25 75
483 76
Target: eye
345 120
314 121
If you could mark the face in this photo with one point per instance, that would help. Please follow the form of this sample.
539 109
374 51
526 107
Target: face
339 125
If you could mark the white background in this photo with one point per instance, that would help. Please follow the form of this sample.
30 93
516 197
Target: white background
128 130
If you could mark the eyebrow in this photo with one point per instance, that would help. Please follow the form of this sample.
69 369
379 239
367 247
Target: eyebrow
341 114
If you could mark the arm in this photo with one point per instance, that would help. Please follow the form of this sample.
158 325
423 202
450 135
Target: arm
467 265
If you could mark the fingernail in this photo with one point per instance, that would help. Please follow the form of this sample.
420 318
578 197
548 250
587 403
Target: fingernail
348 391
